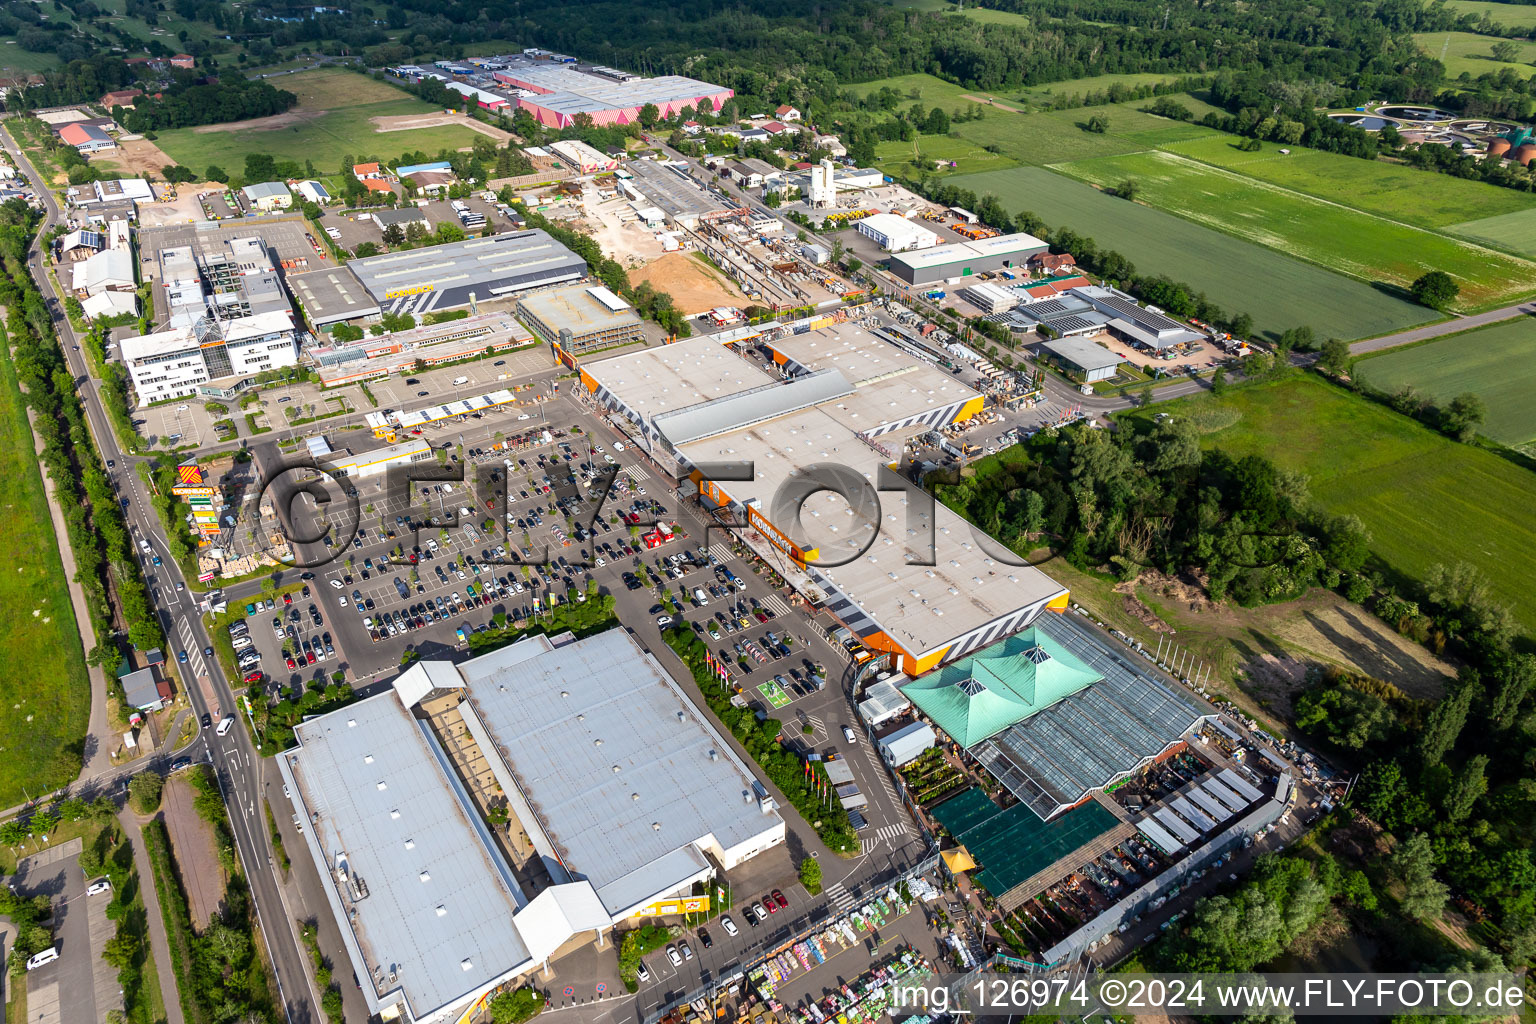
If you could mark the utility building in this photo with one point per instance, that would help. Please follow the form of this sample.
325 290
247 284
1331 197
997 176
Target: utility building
580 318
964 259
457 274
896 234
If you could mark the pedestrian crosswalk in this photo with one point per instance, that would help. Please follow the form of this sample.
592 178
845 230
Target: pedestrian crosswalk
636 473
776 602
840 897
891 835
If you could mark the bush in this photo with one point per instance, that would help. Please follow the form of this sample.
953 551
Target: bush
144 792
810 875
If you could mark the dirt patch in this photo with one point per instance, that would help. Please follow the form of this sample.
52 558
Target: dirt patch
136 157
262 124
694 286
197 859
990 102
407 122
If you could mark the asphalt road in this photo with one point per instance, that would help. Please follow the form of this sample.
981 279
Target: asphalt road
70 976
1452 326
236 761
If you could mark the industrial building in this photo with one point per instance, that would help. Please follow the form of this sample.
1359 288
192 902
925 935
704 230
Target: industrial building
555 93
580 318
225 277
267 196
1082 358
991 298
965 259
1053 715
400 351
438 905
208 356
86 138
448 276
684 199
581 157
331 296
1135 323
136 190
843 399
896 234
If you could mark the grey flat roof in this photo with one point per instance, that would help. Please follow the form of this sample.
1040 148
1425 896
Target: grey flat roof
567 718
1083 742
733 412
506 262
959 252
675 192
574 306
668 377
331 295
376 791
1082 353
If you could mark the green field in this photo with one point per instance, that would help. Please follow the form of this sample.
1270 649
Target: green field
1096 83
931 91
1044 138
1359 244
331 120
45 695
1492 362
18 60
896 157
1375 186
1513 231
1507 15
1469 52
1424 498
1279 292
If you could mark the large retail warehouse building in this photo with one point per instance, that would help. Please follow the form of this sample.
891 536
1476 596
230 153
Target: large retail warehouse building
438 905
837 405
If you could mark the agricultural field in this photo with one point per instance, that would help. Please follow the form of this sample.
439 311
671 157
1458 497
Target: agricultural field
931 91
1127 121
334 117
1471 53
1424 498
1359 244
1044 138
1506 15
1402 193
1277 291
1478 361
1513 231
45 695
1097 83
897 157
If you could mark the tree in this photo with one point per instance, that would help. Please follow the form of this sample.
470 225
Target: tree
649 115
1242 326
1219 381
366 249
215 173
1443 724
120 950
1098 124
810 875
13 833
1466 789
1127 189
44 822
1463 416
1334 357
1505 51
937 123
1436 289
144 792
516 1007
1413 864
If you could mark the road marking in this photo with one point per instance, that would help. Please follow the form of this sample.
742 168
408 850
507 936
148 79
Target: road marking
777 604
841 898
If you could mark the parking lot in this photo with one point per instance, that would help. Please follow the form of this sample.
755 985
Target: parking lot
356 227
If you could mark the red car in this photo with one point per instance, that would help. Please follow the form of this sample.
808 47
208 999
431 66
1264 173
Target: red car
773 908
287 599
291 663
309 657
252 677
779 898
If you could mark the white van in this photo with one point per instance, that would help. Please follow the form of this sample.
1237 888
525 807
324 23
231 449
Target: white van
47 956
699 597
459 382
240 642
224 724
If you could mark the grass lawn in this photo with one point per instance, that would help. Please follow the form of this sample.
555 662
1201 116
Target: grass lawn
1279 292
1359 244
1470 52
1045 138
45 695
1129 122
895 157
330 121
1513 231
1491 362
1421 198
1424 498
17 59
930 90
1084 86
1507 15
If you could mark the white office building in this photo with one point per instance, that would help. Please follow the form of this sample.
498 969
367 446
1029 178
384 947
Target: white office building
896 234
177 362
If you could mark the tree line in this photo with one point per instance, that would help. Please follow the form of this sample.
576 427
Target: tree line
105 556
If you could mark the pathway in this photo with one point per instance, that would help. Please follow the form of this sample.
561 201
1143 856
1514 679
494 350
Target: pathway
1452 326
157 940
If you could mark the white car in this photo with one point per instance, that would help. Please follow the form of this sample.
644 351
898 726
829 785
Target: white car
97 888
728 925
336 584
848 734
663 620
672 954
618 446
